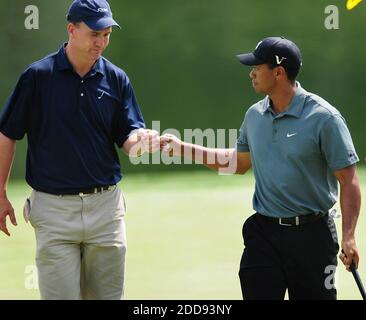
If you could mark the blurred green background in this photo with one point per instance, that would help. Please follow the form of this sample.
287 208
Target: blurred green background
180 56
184 229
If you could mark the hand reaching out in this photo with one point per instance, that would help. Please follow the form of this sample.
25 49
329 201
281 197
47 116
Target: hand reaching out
170 143
149 140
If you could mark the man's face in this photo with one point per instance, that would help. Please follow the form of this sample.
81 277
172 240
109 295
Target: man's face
90 43
263 78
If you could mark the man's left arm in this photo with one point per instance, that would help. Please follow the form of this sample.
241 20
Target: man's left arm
350 201
340 154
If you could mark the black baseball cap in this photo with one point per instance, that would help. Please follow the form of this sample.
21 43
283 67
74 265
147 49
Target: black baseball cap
96 14
277 51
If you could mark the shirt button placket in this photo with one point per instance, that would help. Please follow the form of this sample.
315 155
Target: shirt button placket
274 131
81 88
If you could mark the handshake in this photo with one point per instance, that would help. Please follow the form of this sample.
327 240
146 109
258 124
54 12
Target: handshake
150 141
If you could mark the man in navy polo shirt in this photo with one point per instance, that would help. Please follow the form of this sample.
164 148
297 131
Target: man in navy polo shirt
75 106
298 146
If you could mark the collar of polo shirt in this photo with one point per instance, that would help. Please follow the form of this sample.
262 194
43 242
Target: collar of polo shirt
63 62
296 105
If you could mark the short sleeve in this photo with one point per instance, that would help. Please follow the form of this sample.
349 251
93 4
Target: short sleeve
242 142
130 118
336 143
14 118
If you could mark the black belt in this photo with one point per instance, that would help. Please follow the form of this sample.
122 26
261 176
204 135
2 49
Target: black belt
93 190
296 221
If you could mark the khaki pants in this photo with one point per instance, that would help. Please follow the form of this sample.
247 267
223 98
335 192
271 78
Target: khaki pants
81 245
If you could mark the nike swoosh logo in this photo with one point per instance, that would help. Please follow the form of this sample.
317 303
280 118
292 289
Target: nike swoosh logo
291 135
100 97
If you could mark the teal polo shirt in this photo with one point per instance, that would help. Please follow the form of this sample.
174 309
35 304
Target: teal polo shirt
295 153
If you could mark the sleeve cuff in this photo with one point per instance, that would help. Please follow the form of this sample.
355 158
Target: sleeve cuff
10 135
344 164
242 147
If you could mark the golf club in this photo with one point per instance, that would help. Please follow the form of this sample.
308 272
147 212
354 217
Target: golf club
357 278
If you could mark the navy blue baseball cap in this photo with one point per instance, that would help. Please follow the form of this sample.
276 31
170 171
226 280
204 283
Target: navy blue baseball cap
276 51
96 14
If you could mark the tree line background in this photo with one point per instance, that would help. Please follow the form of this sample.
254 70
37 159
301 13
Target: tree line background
180 56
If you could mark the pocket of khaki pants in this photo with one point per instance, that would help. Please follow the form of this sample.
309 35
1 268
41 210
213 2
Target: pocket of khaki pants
124 202
26 210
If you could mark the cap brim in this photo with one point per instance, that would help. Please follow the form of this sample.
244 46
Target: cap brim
249 59
102 23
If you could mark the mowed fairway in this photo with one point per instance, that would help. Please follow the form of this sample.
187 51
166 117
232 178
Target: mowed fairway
184 238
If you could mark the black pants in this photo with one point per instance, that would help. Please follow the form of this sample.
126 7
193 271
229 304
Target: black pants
301 259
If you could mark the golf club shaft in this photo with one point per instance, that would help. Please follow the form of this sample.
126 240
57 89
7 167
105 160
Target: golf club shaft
358 280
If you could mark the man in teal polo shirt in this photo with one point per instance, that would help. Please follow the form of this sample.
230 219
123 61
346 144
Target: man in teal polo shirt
299 147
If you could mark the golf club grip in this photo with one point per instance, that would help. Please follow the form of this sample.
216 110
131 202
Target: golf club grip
358 280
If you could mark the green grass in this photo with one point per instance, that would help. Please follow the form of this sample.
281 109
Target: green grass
184 238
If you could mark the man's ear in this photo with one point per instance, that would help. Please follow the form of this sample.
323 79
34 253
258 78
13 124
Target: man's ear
280 72
71 27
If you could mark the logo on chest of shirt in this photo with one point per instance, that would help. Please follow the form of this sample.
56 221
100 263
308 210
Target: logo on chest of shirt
289 135
101 94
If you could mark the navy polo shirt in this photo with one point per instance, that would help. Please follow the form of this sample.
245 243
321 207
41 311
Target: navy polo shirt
295 153
73 124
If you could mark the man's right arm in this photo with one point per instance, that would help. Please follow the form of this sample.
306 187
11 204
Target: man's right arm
7 151
226 161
